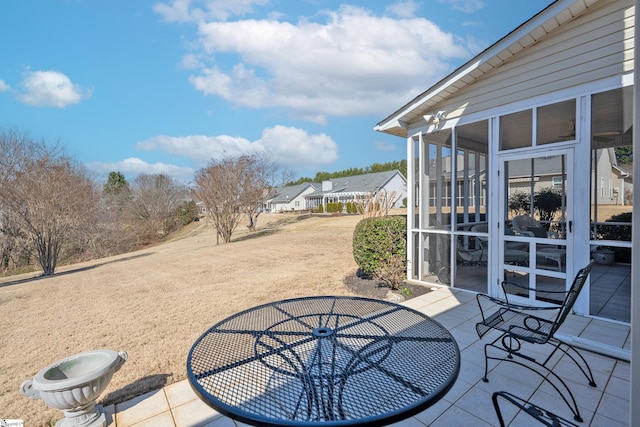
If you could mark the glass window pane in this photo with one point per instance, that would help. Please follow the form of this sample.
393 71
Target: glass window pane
612 165
472 144
435 210
611 202
436 265
516 130
556 122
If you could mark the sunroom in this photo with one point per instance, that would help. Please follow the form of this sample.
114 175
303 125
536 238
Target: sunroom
520 162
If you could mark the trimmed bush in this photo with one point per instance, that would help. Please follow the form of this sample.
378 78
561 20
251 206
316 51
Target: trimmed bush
334 207
618 232
380 248
352 207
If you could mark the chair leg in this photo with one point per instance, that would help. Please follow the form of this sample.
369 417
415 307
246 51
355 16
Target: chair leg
513 349
577 358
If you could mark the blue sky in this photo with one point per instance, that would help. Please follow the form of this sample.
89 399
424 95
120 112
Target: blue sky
167 86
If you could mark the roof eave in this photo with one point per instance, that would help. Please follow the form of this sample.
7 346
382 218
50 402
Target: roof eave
503 50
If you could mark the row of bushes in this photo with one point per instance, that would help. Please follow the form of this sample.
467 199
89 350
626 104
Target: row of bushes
351 208
337 207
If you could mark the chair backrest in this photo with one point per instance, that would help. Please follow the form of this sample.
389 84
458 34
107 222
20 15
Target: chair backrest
572 295
522 223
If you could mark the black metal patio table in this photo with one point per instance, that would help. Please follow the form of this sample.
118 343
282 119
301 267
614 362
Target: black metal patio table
334 361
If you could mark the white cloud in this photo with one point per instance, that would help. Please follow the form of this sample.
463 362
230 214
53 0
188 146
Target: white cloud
133 167
385 146
288 146
188 10
178 11
295 148
51 89
339 67
4 86
465 6
403 9
190 62
199 148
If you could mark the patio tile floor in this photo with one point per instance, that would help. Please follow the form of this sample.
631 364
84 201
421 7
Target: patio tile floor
468 403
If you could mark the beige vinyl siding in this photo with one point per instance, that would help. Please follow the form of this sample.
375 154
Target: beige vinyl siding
593 47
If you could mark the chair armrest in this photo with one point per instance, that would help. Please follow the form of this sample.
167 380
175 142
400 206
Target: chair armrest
526 288
506 304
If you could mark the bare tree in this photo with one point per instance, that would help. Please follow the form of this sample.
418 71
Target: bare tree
233 187
14 246
219 187
153 203
114 232
262 175
48 196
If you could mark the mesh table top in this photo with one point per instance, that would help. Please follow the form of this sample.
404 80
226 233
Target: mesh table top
330 360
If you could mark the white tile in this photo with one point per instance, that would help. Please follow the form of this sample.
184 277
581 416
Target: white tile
430 414
194 413
140 408
225 422
161 420
619 387
622 370
457 391
499 382
477 402
455 416
602 421
614 408
409 422
179 393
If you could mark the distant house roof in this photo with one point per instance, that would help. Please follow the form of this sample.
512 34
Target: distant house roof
284 194
367 183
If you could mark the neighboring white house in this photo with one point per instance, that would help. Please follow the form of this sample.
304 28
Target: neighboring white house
549 104
360 189
288 199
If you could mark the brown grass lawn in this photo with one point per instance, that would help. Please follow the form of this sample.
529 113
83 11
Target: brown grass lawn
156 302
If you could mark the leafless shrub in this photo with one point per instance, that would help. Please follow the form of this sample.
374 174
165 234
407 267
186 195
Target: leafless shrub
233 187
45 196
378 204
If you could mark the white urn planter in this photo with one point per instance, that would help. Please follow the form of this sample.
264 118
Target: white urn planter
73 385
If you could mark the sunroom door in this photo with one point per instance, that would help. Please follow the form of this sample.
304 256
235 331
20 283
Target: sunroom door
535 230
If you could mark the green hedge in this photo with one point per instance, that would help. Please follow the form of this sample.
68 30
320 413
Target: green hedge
380 247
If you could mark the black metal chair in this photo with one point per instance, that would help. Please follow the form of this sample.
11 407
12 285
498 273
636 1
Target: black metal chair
545 417
519 325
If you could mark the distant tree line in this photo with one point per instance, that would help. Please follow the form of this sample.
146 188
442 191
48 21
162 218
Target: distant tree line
53 211
400 165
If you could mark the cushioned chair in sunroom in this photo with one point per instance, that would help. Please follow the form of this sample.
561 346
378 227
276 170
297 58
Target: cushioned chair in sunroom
529 226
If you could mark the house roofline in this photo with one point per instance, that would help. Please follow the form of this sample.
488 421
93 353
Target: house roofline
524 36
